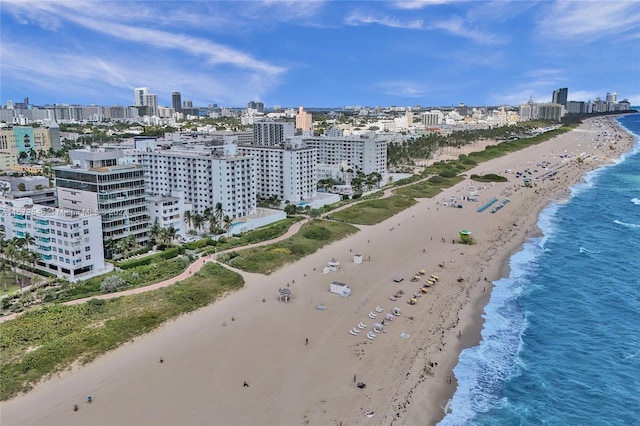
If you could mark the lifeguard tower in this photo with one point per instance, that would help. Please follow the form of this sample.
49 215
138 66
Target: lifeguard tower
465 236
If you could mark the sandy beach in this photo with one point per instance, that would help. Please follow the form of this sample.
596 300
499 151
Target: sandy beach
210 354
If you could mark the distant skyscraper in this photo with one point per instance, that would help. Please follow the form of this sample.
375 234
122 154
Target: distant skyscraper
560 96
258 106
612 97
176 101
304 120
140 94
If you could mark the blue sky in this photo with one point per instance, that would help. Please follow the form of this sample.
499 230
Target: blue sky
319 53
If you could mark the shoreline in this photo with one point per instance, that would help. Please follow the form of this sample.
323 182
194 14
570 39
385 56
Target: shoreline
208 356
505 270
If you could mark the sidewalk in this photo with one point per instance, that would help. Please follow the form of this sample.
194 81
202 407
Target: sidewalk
191 269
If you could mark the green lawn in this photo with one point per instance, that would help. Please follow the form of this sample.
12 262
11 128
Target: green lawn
44 341
371 212
266 259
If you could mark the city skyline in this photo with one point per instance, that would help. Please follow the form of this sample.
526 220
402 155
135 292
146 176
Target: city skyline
319 53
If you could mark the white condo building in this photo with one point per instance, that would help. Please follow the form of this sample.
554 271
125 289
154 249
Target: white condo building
365 153
69 242
205 175
288 172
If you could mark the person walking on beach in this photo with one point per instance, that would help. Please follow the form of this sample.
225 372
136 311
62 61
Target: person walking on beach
306 341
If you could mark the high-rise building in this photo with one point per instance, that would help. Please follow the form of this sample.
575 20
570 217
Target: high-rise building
96 182
176 101
560 96
204 175
304 120
140 94
359 153
68 242
612 97
287 172
271 133
258 106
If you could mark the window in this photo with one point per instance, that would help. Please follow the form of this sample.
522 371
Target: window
88 248
88 257
86 232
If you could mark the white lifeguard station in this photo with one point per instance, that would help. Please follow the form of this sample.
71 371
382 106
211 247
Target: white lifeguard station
357 259
334 265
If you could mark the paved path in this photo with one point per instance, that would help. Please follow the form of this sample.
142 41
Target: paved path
199 263
193 268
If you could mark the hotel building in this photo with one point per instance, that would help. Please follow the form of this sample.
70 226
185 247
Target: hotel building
288 172
206 175
68 242
96 182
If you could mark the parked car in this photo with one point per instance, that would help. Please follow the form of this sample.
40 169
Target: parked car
398 279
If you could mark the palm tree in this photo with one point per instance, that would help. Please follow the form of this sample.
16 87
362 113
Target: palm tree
218 213
11 252
155 232
228 224
109 247
169 235
22 156
187 218
197 220
27 240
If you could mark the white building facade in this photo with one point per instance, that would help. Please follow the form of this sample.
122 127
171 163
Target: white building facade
205 175
288 173
68 242
366 153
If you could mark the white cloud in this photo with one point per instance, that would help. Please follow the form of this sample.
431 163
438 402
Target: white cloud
405 89
584 21
458 27
418 4
583 95
356 19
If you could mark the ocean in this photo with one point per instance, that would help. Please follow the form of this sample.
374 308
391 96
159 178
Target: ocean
561 339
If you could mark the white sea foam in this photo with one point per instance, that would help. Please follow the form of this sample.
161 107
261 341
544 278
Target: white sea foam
636 201
628 225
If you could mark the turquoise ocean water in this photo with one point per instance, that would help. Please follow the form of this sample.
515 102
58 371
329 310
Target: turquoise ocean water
561 340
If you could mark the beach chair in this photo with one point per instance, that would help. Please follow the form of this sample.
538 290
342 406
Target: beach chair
352 333
379 309
355 330
362 326
372 315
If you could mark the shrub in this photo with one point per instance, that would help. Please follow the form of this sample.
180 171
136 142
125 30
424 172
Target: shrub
436 179
111 283
448 173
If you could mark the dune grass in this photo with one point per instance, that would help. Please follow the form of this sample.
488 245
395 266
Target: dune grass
267 259
371 212
44 341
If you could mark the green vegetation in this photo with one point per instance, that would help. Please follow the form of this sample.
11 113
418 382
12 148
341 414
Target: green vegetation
138 276
48 340
489 178
370 212
504 148
266 259
147 260
428 188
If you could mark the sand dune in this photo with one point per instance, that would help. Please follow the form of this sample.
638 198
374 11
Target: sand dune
208 356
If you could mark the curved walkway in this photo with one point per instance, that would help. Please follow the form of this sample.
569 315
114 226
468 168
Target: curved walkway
191 269
199 263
